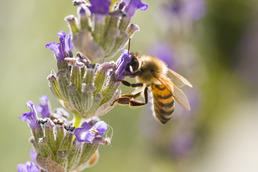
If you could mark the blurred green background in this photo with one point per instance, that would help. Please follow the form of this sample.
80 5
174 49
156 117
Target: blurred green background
225 124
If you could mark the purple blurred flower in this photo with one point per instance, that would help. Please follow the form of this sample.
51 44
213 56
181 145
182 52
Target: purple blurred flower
163 51
28 167
30 117
122 63
64 48
183 136
182 144
191 9
247 54
99 6
194 97
133 5
44 107
180 137
88 133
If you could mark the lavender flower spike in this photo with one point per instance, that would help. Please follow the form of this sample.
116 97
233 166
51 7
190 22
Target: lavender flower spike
99 6
64 48
88 134
28 167
30 117
44 107
133 5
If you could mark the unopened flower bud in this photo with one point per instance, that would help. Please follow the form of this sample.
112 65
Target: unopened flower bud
73 24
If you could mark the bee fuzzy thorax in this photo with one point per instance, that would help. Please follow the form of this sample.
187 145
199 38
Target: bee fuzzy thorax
150 67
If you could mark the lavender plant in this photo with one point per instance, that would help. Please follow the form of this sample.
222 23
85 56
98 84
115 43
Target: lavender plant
86 83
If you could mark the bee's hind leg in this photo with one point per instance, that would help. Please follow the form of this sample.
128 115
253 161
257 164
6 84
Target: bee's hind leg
138 103
126 99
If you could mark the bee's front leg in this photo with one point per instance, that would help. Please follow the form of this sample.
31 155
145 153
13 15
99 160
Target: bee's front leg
128 84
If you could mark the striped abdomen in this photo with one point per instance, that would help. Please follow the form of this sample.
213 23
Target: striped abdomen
163 102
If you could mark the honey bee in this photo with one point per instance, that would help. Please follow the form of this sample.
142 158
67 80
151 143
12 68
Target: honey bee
164 83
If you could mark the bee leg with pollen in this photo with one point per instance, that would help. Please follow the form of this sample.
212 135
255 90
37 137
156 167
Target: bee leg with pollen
138 103
126 99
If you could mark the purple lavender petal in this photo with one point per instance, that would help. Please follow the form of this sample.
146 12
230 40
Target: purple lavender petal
83 134
163 51
134 5
44 107
122 5
64 48
53 46
101 127
99 6
89 137
44 100
61 36
33 156
122 63
32 167
87 133
86 126
66 44
30 117
69 45
22 167
28 167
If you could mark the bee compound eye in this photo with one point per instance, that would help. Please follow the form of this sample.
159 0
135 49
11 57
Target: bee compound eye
134 64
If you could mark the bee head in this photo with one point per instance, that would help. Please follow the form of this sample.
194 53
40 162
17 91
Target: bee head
134 65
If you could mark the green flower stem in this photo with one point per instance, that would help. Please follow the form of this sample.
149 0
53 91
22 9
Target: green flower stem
77 119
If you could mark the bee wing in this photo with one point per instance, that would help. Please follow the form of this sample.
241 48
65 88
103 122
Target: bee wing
181 98
178 94
178 79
